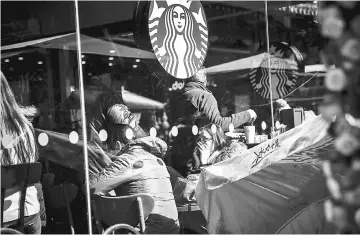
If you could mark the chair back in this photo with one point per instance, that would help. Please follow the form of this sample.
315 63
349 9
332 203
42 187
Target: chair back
19 176
122 210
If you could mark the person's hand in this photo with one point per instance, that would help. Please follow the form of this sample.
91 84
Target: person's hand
253 115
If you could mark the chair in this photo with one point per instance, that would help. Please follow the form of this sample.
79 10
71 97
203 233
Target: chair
21 176
118 227
9 231
126 210
61 196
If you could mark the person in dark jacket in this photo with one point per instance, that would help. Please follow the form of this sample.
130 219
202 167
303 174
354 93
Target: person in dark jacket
197 105
196 100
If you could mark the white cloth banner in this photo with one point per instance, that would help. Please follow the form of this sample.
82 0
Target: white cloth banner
265 154
236 199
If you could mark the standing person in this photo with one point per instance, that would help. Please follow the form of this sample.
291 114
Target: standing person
196 100
137 168
18 145
197 105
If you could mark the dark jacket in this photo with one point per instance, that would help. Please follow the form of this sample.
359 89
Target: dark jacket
138 168
196 100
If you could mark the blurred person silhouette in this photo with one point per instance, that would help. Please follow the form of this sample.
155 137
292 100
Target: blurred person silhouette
148 120
96 112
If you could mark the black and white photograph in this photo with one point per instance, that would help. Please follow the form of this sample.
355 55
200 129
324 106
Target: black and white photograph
180 117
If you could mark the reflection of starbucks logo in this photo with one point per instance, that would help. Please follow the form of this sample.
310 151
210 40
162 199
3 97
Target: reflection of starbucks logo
179 36
283 75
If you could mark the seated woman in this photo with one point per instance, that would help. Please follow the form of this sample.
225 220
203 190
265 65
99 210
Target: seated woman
212 146
137 168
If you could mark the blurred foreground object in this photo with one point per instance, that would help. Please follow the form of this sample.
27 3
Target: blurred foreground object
340 23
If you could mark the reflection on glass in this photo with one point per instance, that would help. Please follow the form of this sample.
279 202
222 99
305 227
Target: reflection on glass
255 59
299 43
38 59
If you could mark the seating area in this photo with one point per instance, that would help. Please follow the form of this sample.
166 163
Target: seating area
110 213
180 117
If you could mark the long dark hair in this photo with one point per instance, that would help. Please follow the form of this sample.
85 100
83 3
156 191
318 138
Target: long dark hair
219 138
14 125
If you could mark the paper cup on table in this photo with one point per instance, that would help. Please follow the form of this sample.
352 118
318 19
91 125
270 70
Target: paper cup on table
250 134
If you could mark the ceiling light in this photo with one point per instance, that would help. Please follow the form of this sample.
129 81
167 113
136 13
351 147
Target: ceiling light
82 56
111 58
110 64
112 51
83 62
40 62
137 60
21 58
134 66
7 60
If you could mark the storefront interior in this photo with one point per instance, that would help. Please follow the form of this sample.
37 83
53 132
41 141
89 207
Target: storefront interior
51 62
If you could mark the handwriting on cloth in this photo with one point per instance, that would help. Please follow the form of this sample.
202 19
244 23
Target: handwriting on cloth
265 151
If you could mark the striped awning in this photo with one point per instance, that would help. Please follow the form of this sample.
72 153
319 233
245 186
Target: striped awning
308 9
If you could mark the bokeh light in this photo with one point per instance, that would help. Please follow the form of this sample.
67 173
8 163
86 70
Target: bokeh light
129 134
73 137
195 130
43 139
103 135
213 128
153 132
174 131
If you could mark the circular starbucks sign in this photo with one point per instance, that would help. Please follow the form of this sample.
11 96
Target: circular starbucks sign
284 69
179 35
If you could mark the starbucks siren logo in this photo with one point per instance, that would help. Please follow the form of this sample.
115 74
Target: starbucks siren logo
284 73
179 36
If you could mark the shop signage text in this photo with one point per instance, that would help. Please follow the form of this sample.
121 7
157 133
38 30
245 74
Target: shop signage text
265 151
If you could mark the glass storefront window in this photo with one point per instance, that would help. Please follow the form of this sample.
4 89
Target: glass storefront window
38 60
140 64
295 37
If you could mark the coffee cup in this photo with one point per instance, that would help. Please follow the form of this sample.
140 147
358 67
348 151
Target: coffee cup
250 134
